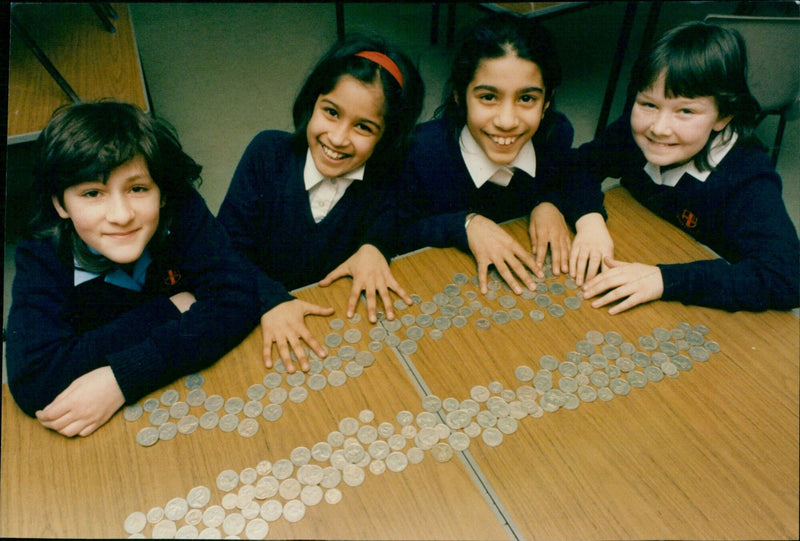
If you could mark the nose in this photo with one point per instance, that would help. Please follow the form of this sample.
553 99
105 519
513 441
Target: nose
338 134
506 118
119 210
660 125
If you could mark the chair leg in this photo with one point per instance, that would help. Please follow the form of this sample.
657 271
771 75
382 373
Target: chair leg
104 16
776 149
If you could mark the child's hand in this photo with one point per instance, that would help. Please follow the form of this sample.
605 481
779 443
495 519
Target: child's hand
636 281
285 326
591 246
370 273
547 226
85 405
491 245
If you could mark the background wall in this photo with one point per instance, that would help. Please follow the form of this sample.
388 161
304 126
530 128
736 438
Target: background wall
220 73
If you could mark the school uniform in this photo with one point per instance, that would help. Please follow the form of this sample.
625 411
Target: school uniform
65 322
438 188
268 214
736 209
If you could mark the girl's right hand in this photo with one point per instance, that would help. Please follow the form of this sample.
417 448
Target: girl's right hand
592 245
284 325
491 245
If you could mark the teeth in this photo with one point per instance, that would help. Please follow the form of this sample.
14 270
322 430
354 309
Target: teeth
503 140
331 154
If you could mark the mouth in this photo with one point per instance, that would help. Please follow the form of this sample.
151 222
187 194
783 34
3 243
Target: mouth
659 144
332 154
123 235
503 141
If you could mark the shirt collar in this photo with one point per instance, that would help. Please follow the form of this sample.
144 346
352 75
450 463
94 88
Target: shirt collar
719 149
117 276
481 168
312 176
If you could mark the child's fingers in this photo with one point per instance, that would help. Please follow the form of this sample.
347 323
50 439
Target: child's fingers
334 275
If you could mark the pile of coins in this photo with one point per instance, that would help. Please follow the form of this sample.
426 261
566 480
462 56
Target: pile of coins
600 367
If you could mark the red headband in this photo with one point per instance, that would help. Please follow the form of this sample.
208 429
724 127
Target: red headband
385 62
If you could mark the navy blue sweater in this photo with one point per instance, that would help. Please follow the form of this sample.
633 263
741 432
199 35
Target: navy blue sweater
436 191
267 214
58 332
737 211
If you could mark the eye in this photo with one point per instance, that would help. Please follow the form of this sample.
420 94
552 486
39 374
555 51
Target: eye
686 111
487 97
362 126
331 112
140 189
90 193
528 98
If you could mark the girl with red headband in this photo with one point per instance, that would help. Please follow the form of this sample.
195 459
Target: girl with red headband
317 204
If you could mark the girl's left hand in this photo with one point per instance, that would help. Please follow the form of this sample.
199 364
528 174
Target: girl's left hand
370 273
85 405
635 282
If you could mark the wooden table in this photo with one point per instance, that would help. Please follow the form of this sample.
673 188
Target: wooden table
96 63
711 454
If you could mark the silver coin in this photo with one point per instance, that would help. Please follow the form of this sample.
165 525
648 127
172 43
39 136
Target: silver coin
353 475
273 380
584 347
159 416
131 413
253 409
272 412
426 419
661 334
333 362
548 362
188 424
234 405
479 393
415 455
150 405
619 386
405 418
367 434
442 452
167 431
155 514
711 346
317 382
507 301
568 368
698 353
377 334
289 489
296 379
415 333
298 394
209 420
668 348
336 324
542 300
482 323
271 510
256 529
653 373
682 362
333 340
247 427
423 321
408 347
178 410
442 323
407 320
507 425
647 343
400 305
135 522
605 394
278 395
233 524
196 397
500 317
347 353
636 379
227 480
396 442
523 373
587 394
431 403
625 364
627 348
492 437
169 397
435 334
228 422
352 336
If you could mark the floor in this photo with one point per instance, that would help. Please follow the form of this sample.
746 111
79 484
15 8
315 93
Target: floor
220 73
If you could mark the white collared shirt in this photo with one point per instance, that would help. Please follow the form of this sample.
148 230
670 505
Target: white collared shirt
670 177
117 276
482 169
324 192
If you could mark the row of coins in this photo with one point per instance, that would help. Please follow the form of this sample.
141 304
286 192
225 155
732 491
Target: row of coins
171 416
286 488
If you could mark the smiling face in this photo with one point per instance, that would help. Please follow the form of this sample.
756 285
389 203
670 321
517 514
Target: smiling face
505 104
345 126
672 131
116 218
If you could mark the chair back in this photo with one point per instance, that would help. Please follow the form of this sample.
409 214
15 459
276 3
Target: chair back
773 57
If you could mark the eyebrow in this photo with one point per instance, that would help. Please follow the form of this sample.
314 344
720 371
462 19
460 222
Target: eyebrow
526 90
365 120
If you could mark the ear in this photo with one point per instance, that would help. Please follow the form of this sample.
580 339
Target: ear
59 209
722 123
